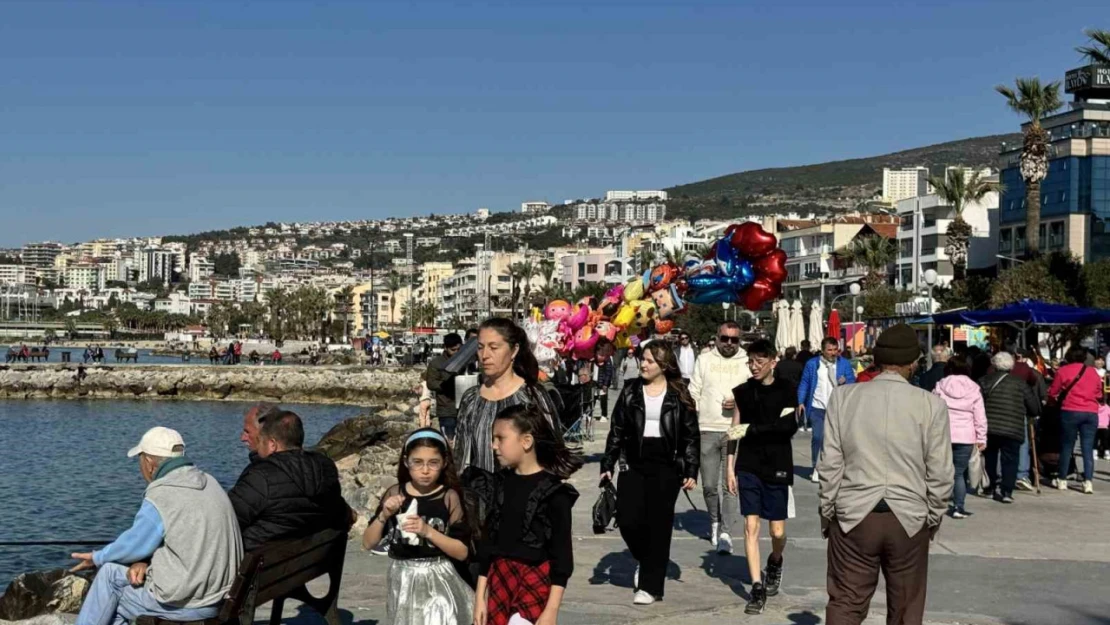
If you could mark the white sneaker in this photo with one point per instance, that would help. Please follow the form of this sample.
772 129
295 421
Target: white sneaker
1088 488
715 533
814 477
724 544
1061 484
643 598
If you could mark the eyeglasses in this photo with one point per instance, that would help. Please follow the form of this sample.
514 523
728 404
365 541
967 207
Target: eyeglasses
417 465
756 363
735 340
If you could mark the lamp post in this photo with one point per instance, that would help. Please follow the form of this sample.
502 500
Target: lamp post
931 281
856 348
725 306
854 289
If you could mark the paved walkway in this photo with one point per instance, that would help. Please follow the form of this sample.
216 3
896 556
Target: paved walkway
1043 560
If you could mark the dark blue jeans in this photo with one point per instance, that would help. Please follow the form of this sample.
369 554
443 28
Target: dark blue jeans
1083 424
961 456
816 418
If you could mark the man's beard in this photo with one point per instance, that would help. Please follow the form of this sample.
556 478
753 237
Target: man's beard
728 350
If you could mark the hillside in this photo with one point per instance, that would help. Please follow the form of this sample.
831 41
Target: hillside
835 185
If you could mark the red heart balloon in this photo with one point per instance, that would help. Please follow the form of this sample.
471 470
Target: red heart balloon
760 292
751 240
772 266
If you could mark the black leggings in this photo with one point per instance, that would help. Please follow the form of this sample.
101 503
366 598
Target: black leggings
646 495
1102 441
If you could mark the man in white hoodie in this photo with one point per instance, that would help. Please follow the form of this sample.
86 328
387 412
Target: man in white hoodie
715 375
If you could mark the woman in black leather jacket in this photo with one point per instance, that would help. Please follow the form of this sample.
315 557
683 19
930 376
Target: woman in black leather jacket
655 426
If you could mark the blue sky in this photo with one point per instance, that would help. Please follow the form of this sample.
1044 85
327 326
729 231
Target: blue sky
142 118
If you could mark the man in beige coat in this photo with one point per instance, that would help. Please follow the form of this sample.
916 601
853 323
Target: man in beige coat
886 477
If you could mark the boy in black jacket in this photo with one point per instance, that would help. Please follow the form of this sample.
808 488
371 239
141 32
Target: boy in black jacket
761 464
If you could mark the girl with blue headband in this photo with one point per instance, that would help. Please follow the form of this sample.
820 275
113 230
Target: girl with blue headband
424 517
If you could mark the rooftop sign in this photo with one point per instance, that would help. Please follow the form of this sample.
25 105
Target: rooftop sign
1087 79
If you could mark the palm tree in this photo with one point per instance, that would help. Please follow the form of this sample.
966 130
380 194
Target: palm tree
547 270
1096 54
645 258
958 191
1035 101
344 304
393 284
874 252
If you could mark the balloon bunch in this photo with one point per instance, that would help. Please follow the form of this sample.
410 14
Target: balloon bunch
744 267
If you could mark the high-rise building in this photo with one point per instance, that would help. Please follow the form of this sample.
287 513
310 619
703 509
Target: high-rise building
87 276
641 196
41 254
899 184
157 263
1075 196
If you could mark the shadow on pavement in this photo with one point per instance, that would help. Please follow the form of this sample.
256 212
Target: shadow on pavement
618 567
694 522
307 616
732 570
804 618
802 472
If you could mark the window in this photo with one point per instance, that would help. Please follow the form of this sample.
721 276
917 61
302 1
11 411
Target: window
907 222
581 269
811 270
1056 235
591 269
906 246
929 244
792 273
1019 240
1006 240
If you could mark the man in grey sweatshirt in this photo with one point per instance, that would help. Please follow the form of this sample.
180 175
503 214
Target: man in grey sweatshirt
181 554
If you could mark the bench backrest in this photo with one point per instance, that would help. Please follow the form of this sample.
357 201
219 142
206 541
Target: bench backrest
278 568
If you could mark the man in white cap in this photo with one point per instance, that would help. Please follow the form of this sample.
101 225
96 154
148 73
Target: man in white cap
181 554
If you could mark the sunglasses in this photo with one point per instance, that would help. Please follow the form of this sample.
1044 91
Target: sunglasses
735 340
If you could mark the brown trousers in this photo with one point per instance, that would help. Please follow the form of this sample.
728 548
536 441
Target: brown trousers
855 558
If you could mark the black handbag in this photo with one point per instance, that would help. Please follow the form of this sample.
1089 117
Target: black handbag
605 508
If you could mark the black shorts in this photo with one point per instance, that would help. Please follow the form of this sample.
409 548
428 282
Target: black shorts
758 498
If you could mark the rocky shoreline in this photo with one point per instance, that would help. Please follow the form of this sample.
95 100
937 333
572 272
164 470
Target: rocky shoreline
289 384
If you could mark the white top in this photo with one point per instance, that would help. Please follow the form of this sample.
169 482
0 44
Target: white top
686 359
826 382
652 414
714 378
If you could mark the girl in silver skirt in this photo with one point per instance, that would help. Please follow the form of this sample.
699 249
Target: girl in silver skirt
423 518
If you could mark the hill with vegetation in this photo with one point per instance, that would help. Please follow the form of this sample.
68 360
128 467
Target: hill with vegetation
836 185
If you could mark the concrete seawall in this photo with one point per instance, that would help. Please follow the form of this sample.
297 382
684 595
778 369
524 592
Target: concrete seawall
290 384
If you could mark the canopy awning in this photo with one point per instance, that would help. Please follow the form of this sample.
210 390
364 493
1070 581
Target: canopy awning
1027 312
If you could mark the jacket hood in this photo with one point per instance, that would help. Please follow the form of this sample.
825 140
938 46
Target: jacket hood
188 477
958 387
306 469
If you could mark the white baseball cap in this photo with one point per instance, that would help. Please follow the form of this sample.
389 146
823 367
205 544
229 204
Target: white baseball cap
159 441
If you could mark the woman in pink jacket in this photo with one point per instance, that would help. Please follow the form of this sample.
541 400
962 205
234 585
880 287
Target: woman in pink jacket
968 422
1081 389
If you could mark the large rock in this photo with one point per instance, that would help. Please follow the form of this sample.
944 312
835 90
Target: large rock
42 592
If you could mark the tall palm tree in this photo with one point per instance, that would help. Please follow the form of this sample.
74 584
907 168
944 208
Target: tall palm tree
645 258
393 284
959 190
1035 101
1100 51
528 271
547 270
344 305
876 253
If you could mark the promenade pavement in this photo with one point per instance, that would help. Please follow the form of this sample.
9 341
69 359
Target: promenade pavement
1041 561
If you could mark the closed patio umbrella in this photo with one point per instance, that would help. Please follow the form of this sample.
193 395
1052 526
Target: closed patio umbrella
816 324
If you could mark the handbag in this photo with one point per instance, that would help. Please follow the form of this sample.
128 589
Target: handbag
977 471
605 508
1053 407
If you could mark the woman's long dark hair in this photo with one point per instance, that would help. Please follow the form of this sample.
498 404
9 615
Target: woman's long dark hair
524 364
551 451
665 357
448 475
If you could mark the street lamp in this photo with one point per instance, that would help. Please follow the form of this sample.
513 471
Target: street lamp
931 281
856 348
854 290
725 306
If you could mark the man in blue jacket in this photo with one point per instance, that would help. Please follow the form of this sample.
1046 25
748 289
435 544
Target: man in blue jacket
823 373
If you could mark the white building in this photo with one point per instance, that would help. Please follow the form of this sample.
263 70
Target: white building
200 268
40 254
642 196
482 213
85 276
158 264
908 182
17 274
175 304
534 208
922 237
621 211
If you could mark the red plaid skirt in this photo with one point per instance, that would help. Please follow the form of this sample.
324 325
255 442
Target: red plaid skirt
515 587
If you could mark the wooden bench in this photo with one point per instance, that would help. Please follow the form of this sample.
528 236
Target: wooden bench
280 571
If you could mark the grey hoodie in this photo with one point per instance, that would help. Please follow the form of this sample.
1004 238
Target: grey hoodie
199 556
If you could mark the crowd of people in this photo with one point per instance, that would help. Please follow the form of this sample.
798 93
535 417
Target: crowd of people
478 526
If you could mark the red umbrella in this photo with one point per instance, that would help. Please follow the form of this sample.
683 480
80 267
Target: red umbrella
834 326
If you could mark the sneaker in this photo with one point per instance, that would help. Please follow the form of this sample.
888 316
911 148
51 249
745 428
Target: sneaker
814 477
1060 484
757 601
772 577
1088 487
714 533
1006 499
1025 484
381 550
724 544
642 597
959 514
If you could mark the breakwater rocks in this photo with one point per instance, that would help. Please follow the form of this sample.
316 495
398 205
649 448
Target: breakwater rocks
289 384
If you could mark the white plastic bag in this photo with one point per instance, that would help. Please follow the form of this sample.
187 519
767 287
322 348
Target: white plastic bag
977 471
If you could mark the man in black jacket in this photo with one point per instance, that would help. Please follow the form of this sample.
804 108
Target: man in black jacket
928 380
287 492
761 465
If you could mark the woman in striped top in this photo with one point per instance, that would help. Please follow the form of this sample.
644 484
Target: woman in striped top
510 378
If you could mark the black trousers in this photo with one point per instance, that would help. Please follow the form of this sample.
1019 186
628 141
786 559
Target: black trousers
646 495
603 396
1010 448
1102 440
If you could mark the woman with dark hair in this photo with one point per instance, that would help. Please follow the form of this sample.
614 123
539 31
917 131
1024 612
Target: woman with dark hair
1077 389
655 427
510 378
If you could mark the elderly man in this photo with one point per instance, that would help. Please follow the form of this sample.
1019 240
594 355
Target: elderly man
251 424
181 555
886 476
822 374
715 375
928 380
287 492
